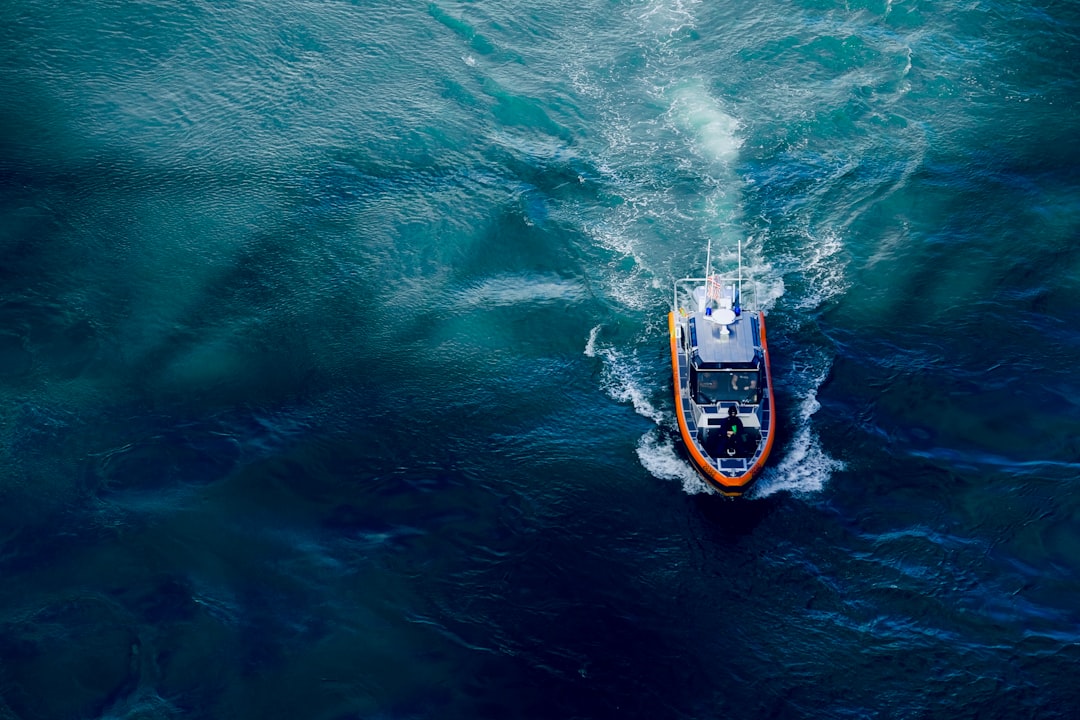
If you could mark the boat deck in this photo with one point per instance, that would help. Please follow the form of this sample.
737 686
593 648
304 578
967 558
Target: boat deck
754 418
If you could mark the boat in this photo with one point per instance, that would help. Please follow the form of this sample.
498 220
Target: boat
723 382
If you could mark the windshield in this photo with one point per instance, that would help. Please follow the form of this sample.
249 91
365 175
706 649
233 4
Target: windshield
727 385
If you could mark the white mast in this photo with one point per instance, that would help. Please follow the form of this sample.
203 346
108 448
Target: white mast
740 271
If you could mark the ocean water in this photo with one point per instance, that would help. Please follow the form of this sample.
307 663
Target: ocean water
334 377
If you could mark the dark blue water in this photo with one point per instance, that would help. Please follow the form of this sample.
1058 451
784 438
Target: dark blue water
334 377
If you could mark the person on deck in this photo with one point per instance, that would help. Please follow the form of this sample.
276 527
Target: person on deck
725 440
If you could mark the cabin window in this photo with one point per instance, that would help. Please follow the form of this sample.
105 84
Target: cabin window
727 385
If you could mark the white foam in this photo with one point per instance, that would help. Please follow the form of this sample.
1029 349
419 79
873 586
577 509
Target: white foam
521 289
658 456
804 471
590 344
619 379
822 266
806 467
625 377
715 132
714 139
668 18
633 289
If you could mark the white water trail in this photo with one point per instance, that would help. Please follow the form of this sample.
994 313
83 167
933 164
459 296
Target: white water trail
699 133
621 376
658 455
714 139
821 263
806 467
623 379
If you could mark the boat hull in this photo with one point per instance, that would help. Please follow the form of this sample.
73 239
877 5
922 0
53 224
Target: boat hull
731 484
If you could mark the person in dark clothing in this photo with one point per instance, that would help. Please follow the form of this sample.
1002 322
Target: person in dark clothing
725 439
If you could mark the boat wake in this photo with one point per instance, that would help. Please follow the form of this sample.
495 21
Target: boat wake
806 467
658 455
623 378
646 238
619 377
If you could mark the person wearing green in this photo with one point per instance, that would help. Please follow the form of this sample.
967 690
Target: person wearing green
725 439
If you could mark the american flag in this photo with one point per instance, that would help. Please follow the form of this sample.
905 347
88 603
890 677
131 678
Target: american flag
715 288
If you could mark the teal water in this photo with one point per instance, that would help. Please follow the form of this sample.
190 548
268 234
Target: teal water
334 377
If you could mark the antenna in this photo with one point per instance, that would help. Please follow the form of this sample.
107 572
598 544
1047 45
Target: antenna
740 270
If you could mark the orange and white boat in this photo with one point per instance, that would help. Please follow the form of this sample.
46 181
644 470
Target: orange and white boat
723 382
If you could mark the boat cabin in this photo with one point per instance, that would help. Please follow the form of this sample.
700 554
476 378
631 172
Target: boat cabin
726 369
